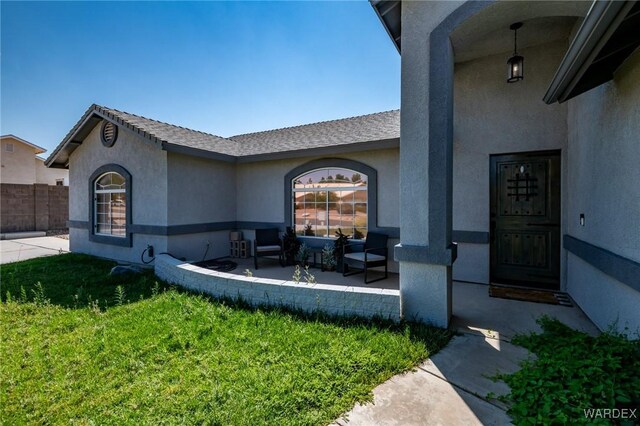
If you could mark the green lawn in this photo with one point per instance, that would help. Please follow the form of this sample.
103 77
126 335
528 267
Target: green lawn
77 350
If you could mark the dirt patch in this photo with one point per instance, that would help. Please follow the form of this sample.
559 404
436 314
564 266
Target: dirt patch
59 233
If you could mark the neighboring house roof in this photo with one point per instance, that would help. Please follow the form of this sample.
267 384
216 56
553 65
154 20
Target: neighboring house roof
38 149
383 127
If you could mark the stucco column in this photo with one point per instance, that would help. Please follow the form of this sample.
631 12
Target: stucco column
426 138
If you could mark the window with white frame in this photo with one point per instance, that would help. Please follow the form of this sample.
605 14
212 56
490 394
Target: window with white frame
327 199
110 209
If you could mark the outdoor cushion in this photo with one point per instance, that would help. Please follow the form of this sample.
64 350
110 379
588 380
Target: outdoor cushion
359 256
268 248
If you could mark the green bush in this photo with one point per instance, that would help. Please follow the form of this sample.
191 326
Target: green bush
573 372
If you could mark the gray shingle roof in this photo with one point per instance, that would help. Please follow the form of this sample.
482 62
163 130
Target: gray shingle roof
366 128
176 135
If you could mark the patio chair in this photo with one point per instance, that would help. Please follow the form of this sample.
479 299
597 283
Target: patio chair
374 254
268 243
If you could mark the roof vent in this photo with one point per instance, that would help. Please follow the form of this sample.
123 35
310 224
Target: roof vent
108 134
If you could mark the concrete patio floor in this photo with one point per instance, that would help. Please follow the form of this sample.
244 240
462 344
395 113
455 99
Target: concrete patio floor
269 268
451 387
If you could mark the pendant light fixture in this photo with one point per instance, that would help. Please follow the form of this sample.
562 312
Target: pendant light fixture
516 62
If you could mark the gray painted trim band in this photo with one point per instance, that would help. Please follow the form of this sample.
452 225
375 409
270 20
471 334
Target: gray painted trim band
622 269
194 228
425 254
467 237
470 237
78 224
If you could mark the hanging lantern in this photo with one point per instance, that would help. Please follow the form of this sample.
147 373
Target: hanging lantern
515 63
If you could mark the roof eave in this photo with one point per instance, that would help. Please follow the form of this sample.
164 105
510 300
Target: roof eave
603 19
94 111
323 150
38 149
195 152
390 23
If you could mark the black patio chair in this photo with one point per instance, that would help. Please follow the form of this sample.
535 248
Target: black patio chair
374 253
268 243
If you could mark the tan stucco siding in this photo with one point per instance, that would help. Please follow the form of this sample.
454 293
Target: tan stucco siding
17 166
48 175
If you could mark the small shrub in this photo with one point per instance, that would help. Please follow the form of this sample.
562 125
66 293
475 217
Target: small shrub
329 257
297 274
308 231
120 296
308 277
39 297
248 273
303 254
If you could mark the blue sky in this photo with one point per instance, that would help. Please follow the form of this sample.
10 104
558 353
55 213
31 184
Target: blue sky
223 67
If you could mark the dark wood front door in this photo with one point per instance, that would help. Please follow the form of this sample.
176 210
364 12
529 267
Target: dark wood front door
525 219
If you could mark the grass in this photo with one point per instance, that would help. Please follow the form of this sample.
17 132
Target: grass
82 347
573 373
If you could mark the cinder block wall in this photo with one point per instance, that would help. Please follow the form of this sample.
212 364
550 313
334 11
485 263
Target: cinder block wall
37 207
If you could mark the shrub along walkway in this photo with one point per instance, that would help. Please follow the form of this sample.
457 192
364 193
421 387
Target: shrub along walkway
454 386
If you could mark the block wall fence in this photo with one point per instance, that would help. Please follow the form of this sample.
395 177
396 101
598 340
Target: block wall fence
37 207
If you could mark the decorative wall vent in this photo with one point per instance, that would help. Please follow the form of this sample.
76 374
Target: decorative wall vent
8 147
109 134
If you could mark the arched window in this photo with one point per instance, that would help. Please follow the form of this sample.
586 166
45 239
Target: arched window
326 199
110 205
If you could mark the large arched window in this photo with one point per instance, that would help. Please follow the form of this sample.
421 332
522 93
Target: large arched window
326 199
110 208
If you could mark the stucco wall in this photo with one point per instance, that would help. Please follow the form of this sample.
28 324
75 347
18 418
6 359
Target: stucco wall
260 189
200 191
260 186
604 176
493 117
48 175
147 164
17 166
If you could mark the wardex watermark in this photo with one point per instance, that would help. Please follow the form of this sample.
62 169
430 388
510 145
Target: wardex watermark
611 413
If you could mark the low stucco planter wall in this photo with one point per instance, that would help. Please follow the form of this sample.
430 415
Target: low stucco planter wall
332 299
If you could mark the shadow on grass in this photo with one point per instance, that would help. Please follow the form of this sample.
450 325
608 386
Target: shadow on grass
73 281
76 280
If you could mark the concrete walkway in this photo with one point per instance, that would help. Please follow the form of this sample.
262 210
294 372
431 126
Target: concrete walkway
451 387
30 248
